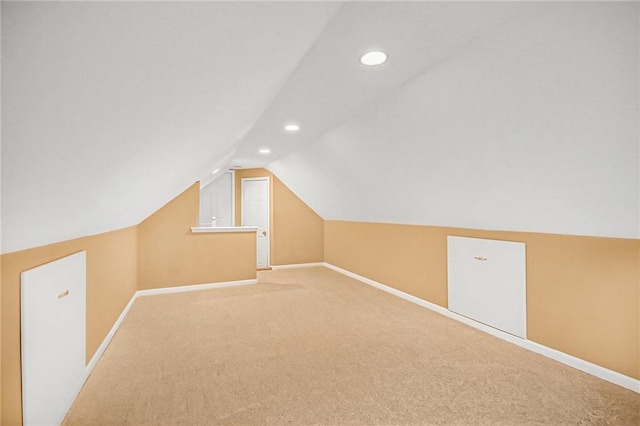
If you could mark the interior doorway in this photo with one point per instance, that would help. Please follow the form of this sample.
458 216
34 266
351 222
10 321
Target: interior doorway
255 212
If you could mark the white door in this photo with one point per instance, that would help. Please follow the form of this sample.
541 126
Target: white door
487 282
53 307
216 200
255 212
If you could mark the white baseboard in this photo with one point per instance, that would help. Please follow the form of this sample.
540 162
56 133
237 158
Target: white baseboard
105 343
572 361
195 287
107 340
298 265
103 346
580 364
96 356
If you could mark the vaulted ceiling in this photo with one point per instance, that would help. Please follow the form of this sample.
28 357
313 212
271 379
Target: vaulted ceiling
503 115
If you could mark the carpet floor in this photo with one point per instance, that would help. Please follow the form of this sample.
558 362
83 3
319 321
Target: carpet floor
311 346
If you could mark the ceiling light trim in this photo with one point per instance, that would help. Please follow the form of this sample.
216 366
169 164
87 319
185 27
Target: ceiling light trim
374 58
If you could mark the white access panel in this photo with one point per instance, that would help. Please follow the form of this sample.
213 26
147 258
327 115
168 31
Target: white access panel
487 282
53 305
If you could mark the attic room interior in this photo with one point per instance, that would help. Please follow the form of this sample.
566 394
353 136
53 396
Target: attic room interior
217 239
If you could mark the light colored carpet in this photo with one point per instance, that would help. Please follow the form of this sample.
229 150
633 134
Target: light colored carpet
310 346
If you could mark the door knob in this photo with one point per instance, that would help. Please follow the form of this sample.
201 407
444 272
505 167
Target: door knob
264 233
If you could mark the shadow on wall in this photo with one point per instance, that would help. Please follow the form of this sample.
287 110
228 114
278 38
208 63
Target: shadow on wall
297 232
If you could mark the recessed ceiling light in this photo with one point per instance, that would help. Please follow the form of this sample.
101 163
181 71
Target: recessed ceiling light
292 127
265 151
373 58
215 171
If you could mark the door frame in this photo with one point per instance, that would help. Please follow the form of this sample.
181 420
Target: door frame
242 181
233 195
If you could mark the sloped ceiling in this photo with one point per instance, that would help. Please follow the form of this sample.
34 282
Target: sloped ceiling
503 115
533 125
111 109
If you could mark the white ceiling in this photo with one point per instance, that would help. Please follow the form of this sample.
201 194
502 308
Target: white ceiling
533 126
111 109
330 85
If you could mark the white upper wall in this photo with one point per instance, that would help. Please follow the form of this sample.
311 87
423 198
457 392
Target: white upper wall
533 127
501 115
111 109
0 142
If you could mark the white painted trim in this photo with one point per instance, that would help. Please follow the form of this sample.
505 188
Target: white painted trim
298 265
587 367
105 343
580 364
195 287
259 178
233 197
221 229
96 356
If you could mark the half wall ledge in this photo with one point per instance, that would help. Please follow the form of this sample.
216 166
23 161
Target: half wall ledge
207 229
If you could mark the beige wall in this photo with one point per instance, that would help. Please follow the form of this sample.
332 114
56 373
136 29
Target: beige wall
0 314
0 339
159 252
170 255
405 257
111 282
582 292
297 232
